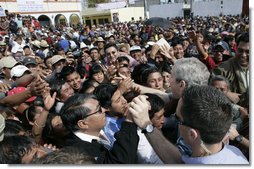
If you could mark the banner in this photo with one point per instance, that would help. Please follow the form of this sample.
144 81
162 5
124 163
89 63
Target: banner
112 5
30 5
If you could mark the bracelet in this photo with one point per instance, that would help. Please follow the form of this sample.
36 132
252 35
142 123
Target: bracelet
41 126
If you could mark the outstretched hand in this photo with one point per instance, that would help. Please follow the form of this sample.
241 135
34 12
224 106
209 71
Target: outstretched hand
139 108
48 100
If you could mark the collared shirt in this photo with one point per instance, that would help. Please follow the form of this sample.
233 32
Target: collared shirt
112 126
89 138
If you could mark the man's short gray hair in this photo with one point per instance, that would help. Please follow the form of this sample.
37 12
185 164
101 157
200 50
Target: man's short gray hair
192 71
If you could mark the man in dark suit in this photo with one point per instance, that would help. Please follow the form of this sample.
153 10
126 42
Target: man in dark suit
83 116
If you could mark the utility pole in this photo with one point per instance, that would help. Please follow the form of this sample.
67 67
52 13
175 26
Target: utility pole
145 9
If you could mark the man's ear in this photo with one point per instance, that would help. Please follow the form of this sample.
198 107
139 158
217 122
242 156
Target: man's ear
82 124
183 84
193 134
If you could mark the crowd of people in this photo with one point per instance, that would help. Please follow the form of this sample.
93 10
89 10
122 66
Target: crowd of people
125 92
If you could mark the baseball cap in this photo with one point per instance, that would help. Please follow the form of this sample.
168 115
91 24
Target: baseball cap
7 62
56 58
135 48
17 90
100 39
222 44
83 45
2 126
29 60
18 71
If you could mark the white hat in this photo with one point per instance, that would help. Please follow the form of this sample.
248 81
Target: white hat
83 45
100 39
36 43
2 126
18 71
7 62
134 48
44 44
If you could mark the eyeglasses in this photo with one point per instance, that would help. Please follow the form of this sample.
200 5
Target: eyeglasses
98 111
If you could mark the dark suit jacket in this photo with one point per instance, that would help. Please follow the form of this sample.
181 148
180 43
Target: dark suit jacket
124 150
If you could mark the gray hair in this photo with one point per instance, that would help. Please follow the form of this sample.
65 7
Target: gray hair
192 71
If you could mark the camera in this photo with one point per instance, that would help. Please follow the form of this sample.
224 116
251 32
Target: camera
77 54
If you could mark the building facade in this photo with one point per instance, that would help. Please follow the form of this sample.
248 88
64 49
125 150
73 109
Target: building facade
48 12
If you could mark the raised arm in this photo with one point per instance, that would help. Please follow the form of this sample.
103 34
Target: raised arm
167 152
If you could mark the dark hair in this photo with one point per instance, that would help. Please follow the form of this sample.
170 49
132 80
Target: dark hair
66 71
123 58
6 111
13 148
141 72
137 71
156 104
243 38
87 85
108 45
12 128
207 110
104 93
73 110
166 68
56 86
95 68
26 47
66 155
54 135
26 116
176 41
218 78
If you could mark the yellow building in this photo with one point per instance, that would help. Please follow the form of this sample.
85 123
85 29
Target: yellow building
91 16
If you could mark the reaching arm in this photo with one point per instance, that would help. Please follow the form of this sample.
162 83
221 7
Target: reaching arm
40 122
164 96
167 152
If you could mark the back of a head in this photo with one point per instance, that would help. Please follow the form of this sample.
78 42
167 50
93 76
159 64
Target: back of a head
104 93
156 104
74 110
208 110
13 148
192 71
54 134
67 155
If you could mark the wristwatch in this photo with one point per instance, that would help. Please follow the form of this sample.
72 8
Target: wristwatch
238 138
149 129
